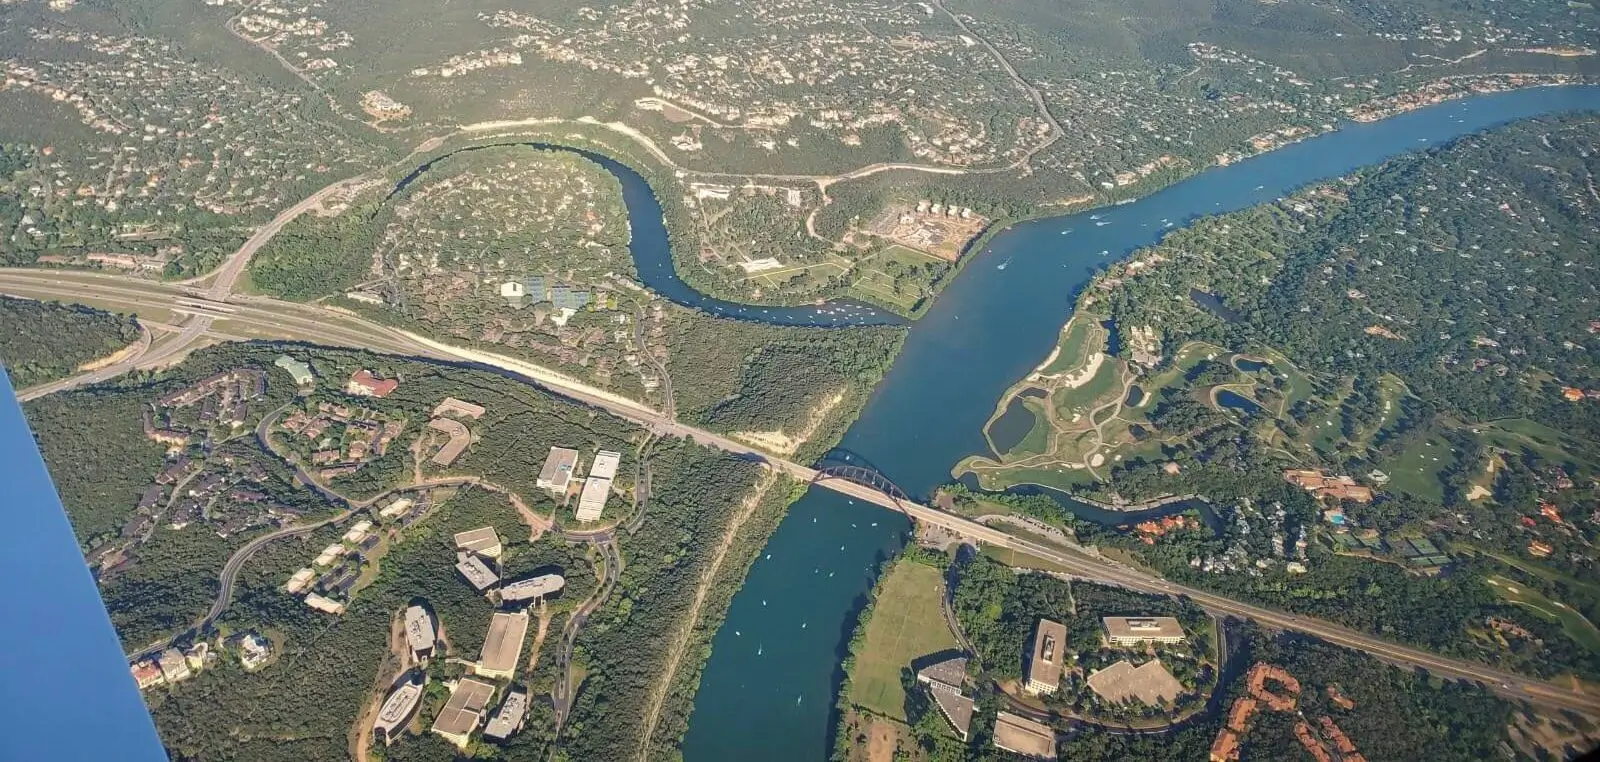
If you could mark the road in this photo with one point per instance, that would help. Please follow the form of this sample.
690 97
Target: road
270 317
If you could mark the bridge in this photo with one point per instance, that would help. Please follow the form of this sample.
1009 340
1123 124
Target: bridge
262 318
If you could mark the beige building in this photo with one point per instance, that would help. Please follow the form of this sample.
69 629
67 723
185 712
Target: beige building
1149 683
1020 735
605 464
1045 663
502 648
532 588
476 571
483 541
398 708
464 710
1133 630
592 502
420 634
558 468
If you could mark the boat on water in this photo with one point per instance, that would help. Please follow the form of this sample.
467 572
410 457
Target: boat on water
1002 265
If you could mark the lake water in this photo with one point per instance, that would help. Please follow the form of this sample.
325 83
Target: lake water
1235 401
989 328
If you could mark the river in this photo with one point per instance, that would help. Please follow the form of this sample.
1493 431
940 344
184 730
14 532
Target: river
768 692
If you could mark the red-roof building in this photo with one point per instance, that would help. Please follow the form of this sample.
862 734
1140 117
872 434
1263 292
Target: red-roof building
364 384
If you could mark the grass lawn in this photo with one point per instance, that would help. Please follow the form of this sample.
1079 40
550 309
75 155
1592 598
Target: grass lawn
1417 470
1581 630
907 624
1075 345
1106 380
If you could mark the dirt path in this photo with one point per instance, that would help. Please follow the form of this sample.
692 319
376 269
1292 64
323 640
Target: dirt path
680 644
360 739
538 638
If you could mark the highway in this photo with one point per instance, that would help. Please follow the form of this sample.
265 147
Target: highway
272 318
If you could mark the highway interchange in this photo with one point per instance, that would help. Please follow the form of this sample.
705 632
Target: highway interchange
213 314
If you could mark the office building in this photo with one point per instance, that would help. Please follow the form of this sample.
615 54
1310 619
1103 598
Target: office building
1045 660
1133 630
557 471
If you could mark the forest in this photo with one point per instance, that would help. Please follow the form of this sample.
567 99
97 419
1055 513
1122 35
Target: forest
739 376
44 341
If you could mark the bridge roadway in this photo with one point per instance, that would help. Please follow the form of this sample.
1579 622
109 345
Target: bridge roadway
270 318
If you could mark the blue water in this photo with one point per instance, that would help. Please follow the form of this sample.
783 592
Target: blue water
652 254
1234 401
65 689
989 328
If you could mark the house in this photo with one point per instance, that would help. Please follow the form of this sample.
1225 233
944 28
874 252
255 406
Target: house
1045 662
1131 631
147 673
363 384
1539 549
1149 683
173 666
254 651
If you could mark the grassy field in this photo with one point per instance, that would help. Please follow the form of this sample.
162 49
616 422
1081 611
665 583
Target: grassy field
1074 345
1106 380
906 624
1417 469
1581 630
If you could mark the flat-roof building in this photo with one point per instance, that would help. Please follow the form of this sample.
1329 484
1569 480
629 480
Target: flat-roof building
1020 735
605 464
398 708
325 605
532 588
1149 683
483 541
508 719
358 532
592 502
557 471
457 444
453 406
1133 630
502 647
1045 661
462 713
420 633
476 571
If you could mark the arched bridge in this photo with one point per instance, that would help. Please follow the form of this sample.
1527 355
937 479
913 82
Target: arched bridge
866 477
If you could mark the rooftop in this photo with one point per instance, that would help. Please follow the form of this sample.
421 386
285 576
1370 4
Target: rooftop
533 587
461 713
592 502
1142 627
956 707
605 464
502 647
952 672
420 635
557 469
509 718
363 383
453 406
459 439
1044 666
476 571
483 541
1021 735
397 708
1149 683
